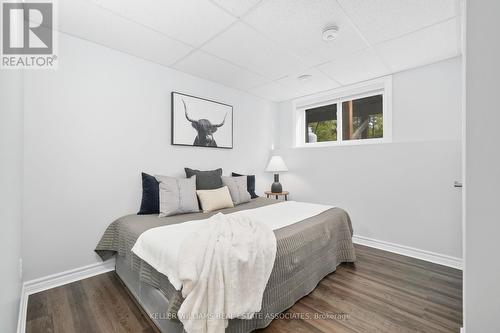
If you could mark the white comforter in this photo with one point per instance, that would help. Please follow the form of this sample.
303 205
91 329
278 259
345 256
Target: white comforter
223 263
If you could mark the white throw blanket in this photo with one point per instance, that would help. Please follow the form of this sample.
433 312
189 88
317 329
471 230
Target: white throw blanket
186 254
225 268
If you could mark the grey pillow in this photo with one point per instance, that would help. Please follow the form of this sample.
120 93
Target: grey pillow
177 195
206 180
238 188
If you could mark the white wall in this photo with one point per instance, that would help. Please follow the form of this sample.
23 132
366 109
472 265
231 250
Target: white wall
482 169
400 192
92 126
11 154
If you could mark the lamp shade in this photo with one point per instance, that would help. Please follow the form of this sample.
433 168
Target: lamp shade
276 164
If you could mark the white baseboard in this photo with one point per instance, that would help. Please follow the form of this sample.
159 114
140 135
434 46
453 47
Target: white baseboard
56 280
408 251
23 308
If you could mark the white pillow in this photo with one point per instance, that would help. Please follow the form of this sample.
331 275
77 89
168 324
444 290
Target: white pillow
211 200
237 188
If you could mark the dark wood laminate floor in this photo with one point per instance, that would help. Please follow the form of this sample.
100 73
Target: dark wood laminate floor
381 292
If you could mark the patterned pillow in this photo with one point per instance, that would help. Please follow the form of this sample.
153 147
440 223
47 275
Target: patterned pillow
238 188
177 195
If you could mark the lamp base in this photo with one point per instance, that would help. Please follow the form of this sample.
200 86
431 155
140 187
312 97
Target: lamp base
276 186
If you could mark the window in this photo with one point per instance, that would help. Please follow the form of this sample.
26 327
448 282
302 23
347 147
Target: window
354 115
321 124
363 118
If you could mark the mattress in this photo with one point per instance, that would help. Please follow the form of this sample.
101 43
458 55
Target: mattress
307 251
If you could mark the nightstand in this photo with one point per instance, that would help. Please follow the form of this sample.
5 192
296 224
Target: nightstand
277 195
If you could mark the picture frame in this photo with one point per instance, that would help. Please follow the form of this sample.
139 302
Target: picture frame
200 122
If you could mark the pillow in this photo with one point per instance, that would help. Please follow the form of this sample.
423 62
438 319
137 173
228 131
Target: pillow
250 184
211 200
206 180
237 188
177 195
150 203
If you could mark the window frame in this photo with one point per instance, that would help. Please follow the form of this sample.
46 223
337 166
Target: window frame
381 86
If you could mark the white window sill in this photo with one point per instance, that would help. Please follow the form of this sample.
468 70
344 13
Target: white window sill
343 143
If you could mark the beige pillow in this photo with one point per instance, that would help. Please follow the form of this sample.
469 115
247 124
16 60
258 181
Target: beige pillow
211 200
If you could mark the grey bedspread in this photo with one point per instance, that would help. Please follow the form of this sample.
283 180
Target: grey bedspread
307 251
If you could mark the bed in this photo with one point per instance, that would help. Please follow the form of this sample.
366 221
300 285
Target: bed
307 251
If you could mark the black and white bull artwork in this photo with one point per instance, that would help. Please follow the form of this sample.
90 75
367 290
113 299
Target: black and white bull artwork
204 128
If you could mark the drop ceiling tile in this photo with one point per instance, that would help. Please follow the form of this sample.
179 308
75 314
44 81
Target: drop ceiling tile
317 82
423 47
274 91
361 66
245 47
381 20
237 7
215 69
88 21
191 21
298 25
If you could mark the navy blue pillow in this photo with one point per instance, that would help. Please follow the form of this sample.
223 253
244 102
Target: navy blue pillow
250 184
150 203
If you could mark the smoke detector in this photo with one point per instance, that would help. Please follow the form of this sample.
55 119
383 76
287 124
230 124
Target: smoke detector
330 33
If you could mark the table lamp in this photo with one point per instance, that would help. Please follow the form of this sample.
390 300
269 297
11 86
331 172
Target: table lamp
276 164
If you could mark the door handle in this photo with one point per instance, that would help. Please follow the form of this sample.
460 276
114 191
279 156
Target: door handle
457 183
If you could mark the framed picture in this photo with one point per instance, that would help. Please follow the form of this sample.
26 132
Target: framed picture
201 122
